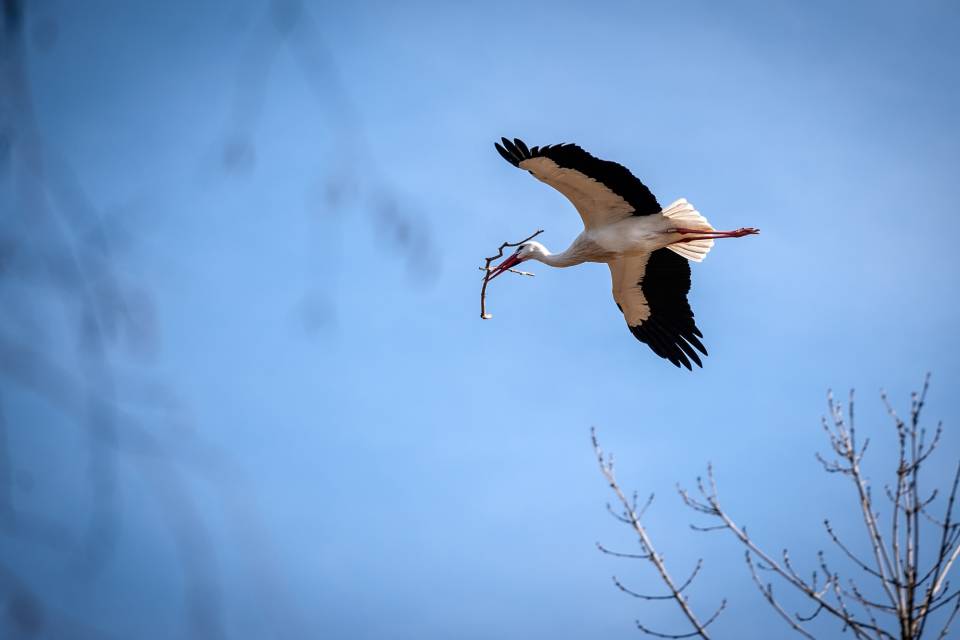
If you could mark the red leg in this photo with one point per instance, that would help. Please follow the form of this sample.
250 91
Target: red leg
704 234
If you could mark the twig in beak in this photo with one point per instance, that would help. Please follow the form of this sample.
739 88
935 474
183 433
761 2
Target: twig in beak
519 273
486 268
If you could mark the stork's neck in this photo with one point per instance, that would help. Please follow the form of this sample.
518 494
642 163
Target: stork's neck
566 258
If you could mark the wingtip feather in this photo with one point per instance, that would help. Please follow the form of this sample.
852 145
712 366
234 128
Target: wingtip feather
506 155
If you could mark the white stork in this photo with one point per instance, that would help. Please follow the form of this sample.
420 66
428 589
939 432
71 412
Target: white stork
645 245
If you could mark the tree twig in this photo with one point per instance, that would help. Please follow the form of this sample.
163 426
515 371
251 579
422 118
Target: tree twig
486 269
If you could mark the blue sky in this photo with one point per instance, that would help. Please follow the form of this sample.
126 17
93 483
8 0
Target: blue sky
304 203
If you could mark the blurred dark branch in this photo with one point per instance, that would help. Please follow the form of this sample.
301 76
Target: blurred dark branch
74 319
28 615
6 474
197 554
354 175
54 249
12 17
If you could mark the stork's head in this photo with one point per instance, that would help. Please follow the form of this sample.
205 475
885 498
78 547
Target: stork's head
530 250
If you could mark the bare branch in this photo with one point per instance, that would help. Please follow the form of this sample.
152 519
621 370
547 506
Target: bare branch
849 554
692 634
845 438
621 518
710 505
868 606
944 568
646 545
693 575
815 613
767 592
953 614
516 271
945 600
631 556
620 586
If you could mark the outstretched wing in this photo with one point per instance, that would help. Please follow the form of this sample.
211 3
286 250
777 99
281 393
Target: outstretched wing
651 291
602 191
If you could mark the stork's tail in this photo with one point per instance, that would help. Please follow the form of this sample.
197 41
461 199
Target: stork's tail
683 213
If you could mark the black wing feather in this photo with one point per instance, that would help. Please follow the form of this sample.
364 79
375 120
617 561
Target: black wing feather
614 176
506 155
670 331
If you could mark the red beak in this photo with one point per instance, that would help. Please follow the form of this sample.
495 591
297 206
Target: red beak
507 263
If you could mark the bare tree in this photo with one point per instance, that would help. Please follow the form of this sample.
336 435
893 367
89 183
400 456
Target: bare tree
902 583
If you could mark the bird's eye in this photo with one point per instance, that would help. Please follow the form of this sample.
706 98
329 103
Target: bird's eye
530 172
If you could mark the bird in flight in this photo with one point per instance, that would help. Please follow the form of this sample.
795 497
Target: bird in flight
646 246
